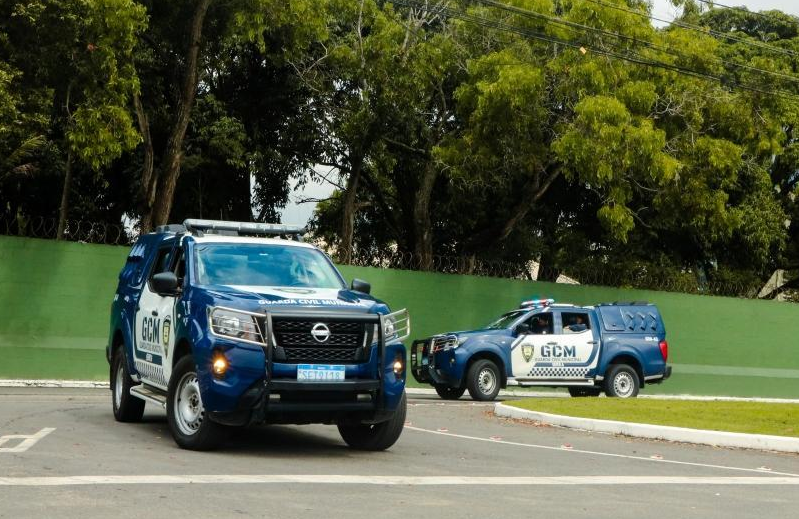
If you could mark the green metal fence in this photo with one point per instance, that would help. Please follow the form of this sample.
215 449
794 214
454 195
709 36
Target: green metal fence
55 298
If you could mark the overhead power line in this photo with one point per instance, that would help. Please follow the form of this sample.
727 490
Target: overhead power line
692 27
581 28
741 9
460 14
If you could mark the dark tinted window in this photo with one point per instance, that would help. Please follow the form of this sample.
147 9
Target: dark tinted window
575 322
542 324
162 261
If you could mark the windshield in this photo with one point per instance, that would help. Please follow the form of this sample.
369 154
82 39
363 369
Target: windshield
256 264
506 320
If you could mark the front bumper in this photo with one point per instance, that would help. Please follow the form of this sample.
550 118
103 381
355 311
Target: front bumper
257 389
428 367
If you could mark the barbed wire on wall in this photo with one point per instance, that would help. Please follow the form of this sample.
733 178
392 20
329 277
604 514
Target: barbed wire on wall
117 234
75 230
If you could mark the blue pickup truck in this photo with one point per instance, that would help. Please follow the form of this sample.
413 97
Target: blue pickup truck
611 347
226 324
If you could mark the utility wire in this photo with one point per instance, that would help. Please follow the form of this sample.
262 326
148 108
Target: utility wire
718 5
692 27
447 12
578 27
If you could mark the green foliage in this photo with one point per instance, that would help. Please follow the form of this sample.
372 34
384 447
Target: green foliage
462 139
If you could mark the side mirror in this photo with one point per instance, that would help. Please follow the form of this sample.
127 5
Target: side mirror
165 283
523 329
359 285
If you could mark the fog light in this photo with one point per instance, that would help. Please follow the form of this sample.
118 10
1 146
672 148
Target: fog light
398 367
220 366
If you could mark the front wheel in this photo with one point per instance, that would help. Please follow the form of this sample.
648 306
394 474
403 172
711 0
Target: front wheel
450 393
622 382
127 408
190 426
483 380
376 437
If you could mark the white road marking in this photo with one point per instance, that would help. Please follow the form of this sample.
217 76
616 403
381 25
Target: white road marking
335 479
596 453
28 440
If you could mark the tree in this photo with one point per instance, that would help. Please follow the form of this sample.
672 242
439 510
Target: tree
173 61
79 52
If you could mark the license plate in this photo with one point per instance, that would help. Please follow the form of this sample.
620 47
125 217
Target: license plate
320 373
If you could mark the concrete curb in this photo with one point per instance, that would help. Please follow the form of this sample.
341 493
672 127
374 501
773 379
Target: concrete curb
97 384
656 432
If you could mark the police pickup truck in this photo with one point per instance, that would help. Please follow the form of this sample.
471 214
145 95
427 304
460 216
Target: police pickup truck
226 324
614 347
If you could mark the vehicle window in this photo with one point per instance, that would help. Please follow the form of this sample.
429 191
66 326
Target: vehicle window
264 265
506 320
162 261
180 267
541 324
575 322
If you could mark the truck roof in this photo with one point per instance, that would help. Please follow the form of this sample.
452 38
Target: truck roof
219 238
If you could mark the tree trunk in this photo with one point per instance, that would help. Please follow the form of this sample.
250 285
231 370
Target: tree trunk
173 153
148 177
532 192
547 270
348 214
64 209
423 232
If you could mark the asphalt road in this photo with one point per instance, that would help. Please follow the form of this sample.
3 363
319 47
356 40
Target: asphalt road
454 460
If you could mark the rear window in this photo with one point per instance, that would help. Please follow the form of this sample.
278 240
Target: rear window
575 322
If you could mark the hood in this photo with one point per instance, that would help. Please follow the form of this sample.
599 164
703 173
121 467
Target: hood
468 334
484 331
286 297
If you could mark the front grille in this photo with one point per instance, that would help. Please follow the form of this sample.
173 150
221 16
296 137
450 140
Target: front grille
295 343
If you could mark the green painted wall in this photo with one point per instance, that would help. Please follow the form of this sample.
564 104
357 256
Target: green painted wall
55 298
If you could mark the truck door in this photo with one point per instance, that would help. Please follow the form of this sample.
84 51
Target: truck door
154 334
577 350
528 346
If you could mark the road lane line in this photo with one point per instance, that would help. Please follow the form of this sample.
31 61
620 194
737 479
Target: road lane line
596 453
28 440
336 479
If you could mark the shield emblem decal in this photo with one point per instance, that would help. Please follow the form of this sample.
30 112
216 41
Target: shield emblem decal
527 352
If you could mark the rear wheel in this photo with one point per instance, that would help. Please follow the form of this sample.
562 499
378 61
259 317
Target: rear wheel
376 437
127 408
578 392
450 393
483 380
189 423
622 382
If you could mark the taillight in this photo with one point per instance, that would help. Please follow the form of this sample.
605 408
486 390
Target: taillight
664 350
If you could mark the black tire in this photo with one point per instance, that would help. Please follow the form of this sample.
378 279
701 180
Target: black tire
190 426
622 382
450 393
376 437
579 392
483 380
127 408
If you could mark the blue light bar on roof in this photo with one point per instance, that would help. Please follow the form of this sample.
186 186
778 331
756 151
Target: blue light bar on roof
536 303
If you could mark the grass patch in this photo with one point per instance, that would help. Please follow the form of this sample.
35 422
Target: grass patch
743 417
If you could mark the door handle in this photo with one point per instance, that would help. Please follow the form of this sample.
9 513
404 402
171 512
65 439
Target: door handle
592 342
155 313
552 344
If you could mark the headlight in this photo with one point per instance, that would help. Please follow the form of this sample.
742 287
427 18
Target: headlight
237 325
445 342
462 339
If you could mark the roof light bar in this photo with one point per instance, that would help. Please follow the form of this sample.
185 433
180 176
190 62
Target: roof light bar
536 303
271 229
